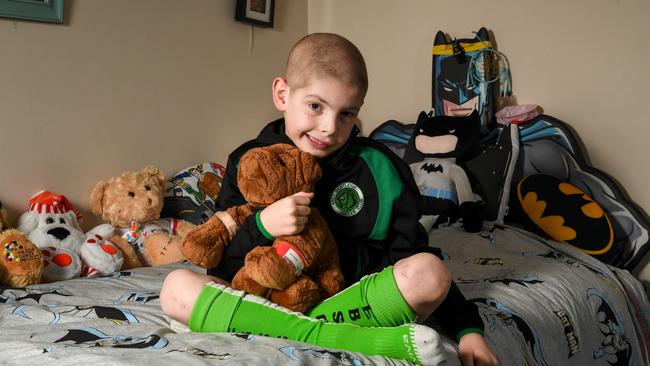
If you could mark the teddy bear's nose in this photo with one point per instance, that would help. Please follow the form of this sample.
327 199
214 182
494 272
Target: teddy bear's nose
59 233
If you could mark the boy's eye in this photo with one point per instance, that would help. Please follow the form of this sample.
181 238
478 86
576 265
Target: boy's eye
314 106
349 114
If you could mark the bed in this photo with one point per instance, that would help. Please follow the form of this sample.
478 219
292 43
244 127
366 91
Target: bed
542 302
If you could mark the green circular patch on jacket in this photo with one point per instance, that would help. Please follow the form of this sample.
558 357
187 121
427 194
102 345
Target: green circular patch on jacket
565 213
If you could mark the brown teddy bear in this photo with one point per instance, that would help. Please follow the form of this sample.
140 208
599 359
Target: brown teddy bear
131 203
3 219
21 263
296 271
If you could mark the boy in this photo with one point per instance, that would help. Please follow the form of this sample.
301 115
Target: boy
371 203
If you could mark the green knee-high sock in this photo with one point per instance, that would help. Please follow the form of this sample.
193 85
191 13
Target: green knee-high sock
374 301
222 309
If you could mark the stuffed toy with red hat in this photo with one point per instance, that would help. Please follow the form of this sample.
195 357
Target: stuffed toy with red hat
52 224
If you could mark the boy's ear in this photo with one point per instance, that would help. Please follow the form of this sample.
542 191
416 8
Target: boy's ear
280 93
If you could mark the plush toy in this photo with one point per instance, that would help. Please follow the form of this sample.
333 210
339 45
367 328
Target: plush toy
3 219
131 203
20 262
296 271
434 151
67 252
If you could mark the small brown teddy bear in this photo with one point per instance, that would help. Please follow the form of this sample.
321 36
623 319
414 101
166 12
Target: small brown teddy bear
3 219
131 203
297 271
21 263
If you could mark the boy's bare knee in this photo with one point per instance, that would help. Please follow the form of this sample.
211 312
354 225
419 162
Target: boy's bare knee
424 281
179 292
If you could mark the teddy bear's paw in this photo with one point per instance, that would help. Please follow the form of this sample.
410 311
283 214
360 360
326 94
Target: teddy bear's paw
60 264
100 256
202 245
268 269
300 296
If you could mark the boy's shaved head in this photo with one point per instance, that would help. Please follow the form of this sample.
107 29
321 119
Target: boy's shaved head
326 54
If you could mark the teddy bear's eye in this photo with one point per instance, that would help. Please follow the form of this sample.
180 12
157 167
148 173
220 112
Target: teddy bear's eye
148 188
131 194
62 221
49 220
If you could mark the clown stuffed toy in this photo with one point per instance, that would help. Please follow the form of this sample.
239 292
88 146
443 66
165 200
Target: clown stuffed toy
51 224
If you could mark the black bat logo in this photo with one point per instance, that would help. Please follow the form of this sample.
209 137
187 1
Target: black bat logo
432 167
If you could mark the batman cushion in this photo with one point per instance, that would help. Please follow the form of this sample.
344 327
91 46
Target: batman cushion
191 193
566 214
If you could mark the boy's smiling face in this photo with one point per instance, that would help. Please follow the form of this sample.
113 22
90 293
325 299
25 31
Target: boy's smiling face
319 117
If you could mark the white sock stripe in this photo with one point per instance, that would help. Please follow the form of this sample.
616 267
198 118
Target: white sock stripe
226 289
264 302
257 299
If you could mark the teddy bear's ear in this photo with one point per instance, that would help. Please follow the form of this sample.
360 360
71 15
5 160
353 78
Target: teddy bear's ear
97 198
309 167
155 173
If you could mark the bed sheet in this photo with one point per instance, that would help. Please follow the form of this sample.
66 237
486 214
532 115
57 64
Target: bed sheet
117 320
547 303
542 302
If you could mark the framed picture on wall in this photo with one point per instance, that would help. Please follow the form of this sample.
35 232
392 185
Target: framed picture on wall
37 10
259 12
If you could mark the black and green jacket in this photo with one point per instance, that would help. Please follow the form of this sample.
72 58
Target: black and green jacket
372 206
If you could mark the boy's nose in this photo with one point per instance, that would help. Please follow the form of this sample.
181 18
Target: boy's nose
328 124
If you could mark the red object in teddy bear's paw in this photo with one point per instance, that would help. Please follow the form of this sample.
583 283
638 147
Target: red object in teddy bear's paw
60 264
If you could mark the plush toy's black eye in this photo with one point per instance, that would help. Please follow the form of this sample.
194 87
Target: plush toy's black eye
131 194
148 188
49 220
62 221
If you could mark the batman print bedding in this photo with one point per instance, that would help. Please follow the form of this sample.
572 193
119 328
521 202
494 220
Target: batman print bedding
547 303
542 303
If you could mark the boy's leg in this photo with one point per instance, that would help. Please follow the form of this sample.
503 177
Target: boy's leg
221 309
180 290
414 287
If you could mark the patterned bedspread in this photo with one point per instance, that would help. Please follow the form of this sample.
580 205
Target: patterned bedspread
546 303
542 303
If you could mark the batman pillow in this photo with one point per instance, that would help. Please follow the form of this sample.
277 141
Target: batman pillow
191 194
566 214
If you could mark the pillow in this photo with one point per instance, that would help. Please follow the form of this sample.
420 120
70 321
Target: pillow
566 214
191 194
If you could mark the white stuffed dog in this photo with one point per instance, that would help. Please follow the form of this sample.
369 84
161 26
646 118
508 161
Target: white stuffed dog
52 225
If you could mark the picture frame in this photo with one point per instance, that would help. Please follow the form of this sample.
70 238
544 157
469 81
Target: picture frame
258 12
35 10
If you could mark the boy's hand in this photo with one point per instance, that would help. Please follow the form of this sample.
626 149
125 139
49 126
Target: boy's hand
474 351
287 216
